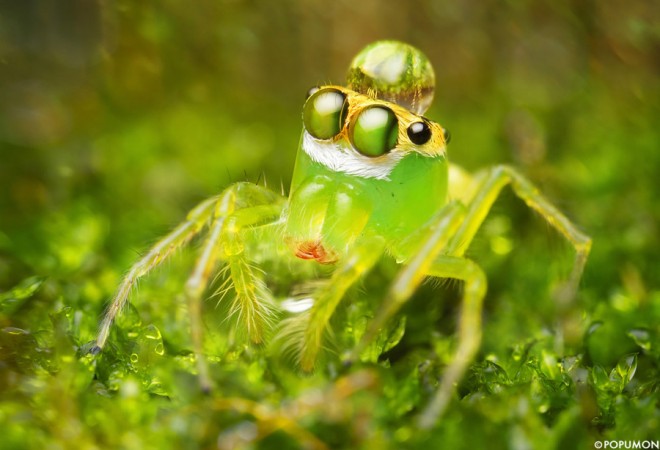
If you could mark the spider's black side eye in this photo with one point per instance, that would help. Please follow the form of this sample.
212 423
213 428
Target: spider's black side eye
447 135
419 133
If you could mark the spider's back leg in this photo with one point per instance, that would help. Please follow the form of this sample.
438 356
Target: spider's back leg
196 220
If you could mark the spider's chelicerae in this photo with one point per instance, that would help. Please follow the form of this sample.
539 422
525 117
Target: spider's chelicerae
371 178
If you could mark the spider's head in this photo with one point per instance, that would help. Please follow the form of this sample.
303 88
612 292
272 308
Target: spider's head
365 166
358 135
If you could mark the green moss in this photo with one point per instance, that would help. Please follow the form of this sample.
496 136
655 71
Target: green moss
113 126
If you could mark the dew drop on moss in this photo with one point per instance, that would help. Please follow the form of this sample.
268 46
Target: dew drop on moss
641 338
152 332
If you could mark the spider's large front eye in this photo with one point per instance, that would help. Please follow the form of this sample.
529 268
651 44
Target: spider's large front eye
324 113
419 133
375 131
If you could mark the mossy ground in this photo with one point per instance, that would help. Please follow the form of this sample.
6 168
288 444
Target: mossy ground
118 118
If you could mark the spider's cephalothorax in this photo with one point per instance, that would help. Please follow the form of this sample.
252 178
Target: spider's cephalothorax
371 178
363 164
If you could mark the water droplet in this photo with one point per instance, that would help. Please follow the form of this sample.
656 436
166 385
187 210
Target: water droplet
593 327
152 332
134 358
627 367
518 352
395 72
128 318
641 337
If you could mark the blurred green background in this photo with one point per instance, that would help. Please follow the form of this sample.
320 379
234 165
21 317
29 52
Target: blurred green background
117 117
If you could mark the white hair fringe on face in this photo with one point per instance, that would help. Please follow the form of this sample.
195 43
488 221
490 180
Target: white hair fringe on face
347 160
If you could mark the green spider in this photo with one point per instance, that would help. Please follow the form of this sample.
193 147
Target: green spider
371 178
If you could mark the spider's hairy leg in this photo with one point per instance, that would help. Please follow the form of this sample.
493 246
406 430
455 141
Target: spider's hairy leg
197 218
224 235
433 238
252 304
428 259
469 329
482 201
362 257
198 280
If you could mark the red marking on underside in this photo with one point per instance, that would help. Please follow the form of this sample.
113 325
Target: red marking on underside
314 250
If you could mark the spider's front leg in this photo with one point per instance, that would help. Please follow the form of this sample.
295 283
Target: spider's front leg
240 206
330 218
362 257
441 256
455 266
427 259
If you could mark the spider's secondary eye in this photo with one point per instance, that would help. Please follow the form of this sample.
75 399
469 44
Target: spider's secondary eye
312 91
419 133
447 135
375 131
324 113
